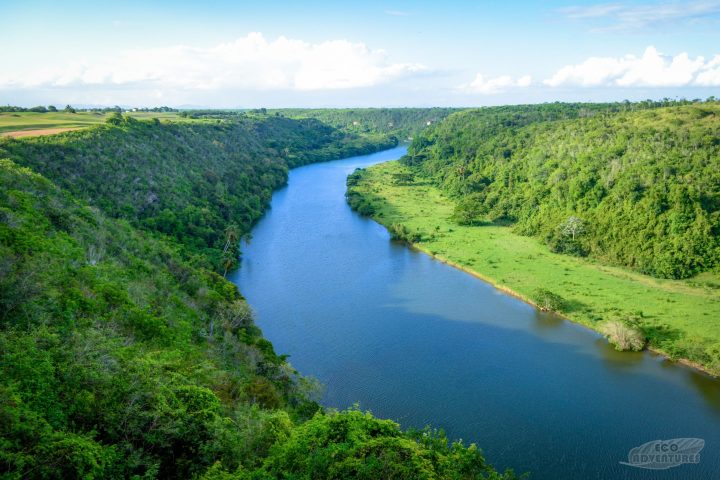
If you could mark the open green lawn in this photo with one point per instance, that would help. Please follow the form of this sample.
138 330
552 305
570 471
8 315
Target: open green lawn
681 317
22 121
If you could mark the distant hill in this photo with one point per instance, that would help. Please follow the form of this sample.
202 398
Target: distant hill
401 122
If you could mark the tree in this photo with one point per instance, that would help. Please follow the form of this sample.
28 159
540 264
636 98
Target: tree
69 109
469 210
227 262
52 108
115 118
232 236
403 178
573 227
548 301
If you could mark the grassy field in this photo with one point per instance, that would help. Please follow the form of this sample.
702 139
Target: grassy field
34 121
680 317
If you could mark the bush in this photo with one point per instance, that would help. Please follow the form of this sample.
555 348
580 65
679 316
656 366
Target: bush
353 444
400 232
358 203
548 301
115 118
563 244
623 335
469 211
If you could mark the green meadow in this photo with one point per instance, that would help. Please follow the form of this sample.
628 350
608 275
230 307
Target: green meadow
680 317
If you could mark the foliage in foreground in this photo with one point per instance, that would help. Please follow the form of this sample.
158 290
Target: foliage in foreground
353 444
122 356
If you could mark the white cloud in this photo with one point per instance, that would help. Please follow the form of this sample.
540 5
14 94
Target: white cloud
710 75
490 86
617 16
397 13
652 69
251 62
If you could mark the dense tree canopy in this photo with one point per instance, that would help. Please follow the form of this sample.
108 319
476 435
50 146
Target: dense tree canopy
402 122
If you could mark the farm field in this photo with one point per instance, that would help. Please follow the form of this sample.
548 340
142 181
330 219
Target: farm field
50 122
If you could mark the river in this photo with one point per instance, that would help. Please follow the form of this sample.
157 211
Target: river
417 341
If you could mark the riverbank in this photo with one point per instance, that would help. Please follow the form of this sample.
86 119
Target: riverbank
679 317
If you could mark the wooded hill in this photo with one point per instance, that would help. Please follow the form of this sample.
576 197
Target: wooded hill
123 354
631 184
401 122
201 182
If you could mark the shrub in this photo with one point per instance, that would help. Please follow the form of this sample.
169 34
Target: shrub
559 243
623 335
115 118
469 211
400 232
359 203
548 301
353 444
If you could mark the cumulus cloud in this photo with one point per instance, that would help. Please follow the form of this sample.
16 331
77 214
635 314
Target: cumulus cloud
617 16
251 62
490 86
652 69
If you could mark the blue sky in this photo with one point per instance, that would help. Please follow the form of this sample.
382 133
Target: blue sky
323 53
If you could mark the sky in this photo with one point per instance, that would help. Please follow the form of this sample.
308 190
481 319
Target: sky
238 54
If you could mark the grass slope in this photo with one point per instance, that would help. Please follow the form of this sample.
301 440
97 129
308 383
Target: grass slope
681 317
28 121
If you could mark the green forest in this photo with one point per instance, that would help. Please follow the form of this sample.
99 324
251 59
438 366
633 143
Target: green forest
636 185
124 353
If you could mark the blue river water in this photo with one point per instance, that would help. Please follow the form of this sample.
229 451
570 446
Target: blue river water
420 342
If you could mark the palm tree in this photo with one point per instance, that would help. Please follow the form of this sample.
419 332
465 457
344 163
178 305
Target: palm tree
227 262
232 236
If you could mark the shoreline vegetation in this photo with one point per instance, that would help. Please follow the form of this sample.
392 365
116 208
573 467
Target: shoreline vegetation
415 211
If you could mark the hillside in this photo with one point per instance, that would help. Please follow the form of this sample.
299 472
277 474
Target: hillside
203 182
124 355
628 185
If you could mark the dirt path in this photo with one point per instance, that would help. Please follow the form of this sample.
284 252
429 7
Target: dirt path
34 133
